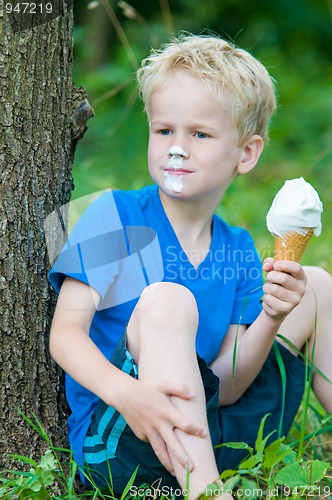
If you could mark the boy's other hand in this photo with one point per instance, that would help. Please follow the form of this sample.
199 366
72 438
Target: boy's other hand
284 288
153 417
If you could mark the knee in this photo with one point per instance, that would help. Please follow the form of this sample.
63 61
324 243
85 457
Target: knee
318 276
320 283
167 302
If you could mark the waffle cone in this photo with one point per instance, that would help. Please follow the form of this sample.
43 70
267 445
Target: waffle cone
291 245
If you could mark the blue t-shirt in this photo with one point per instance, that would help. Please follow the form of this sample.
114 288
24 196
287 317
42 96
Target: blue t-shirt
124 242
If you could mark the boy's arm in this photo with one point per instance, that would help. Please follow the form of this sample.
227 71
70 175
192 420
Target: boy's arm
145 405
284 288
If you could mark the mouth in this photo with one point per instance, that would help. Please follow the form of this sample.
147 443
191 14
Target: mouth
177 171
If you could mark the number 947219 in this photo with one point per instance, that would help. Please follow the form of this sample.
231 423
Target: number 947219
28 8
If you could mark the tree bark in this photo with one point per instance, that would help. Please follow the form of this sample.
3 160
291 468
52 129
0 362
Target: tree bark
42 116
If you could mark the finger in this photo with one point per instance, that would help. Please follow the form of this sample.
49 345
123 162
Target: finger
286 281
160 449
274 308
176 450
181 422
280 292
277 306
174 388
288 289
282 279
268 264
293 268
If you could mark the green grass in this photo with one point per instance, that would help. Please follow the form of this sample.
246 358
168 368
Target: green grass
295 467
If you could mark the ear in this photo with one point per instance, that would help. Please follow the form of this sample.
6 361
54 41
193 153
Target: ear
251 152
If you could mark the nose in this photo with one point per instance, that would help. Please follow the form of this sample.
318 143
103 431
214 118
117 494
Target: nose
177 151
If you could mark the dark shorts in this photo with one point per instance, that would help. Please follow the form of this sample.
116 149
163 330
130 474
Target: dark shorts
112 452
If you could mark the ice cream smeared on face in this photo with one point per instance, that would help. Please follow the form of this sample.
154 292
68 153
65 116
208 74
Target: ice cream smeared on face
173 180
295 215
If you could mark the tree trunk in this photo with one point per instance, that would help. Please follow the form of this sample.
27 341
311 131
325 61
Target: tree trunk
42 116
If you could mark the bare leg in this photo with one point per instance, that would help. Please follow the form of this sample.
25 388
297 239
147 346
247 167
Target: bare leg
161 337
301 326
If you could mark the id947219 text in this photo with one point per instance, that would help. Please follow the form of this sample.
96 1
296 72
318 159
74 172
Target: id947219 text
28 8
26 15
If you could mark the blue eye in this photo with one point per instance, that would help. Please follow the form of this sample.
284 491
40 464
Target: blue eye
201 135
165 131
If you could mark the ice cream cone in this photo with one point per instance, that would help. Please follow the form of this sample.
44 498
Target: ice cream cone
291 245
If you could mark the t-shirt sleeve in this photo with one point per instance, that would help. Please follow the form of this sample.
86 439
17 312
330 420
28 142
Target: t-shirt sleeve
112 250
249 291
94 248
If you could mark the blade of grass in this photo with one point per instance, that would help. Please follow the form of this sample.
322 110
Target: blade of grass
35 426
186 496
312 435
305 404
23 459
282 370
120 32
129 484
167 15
112 92
128 106
131 13
236 341
237 330
303 357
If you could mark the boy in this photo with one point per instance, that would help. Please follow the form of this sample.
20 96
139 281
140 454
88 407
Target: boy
158 265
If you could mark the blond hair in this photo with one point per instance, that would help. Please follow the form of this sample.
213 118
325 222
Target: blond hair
233 73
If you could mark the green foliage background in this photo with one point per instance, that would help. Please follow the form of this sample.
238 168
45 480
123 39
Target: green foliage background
293 38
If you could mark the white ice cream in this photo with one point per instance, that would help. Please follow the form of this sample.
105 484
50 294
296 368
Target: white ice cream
296 205
175 162
173 182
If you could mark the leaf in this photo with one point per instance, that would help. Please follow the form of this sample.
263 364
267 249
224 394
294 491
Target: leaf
260 442
291 457
36 485
48 461
236 446
251 462
306 474
275 453
227 473
250 489
129 484
230 484
47 477
317 470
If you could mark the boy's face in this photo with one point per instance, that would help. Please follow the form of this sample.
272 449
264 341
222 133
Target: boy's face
186 114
